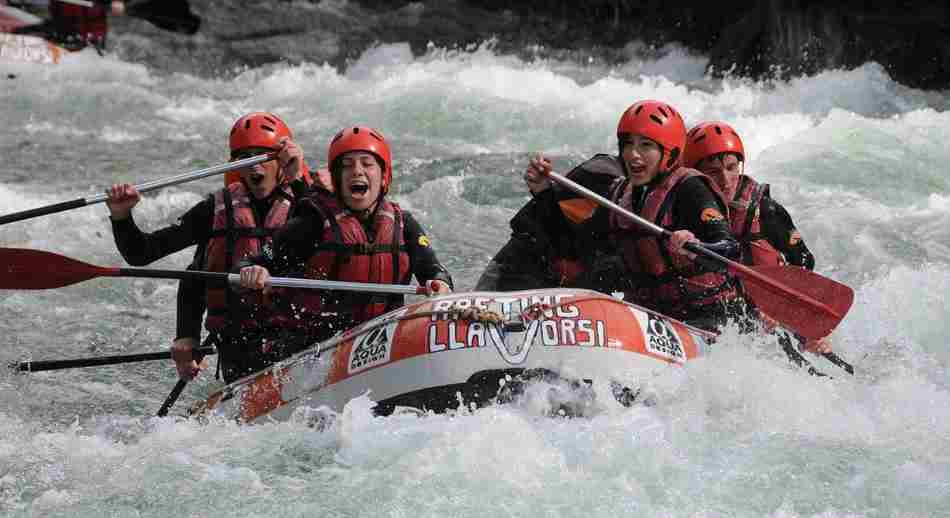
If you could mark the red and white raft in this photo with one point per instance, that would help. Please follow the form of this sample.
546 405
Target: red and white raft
20 48
428 354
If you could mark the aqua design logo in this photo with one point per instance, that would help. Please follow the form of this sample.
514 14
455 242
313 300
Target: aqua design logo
372 348
660 337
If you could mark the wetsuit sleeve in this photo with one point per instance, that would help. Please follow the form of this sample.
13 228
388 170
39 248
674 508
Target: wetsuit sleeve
698 210
140 248
191 302
299 189
781 233
425 265
517 266
293 244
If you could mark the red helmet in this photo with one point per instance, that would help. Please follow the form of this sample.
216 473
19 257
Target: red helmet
712 138
656 121
360 138
258 129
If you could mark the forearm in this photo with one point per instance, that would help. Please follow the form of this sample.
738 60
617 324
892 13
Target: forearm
140 249
425 264
781 233
191 307
130 240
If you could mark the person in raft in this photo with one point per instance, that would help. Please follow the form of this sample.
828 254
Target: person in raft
355 234
227 225
556 240
661 274
75 25
765 231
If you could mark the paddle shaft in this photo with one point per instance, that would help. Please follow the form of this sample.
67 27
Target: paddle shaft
695 248
835 359
51 365
143 187
81 3
198 355
172 398
283 282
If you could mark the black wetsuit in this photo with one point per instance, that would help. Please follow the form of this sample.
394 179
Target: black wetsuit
780 231
541 234
193 228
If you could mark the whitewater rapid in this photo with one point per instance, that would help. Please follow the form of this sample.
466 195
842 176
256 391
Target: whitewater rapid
858 160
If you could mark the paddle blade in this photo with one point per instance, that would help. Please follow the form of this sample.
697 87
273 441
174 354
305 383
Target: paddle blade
795 312
170 15
24 269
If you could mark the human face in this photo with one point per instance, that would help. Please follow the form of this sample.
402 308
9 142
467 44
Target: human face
361 180
642 157
261 179
724 169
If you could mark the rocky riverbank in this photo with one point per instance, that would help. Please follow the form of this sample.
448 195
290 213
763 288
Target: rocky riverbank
771 38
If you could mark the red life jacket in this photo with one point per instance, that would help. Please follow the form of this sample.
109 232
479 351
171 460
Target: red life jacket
236 233
76 22
347 253
746 225
663 281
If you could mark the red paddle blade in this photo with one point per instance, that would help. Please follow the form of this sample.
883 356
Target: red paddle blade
24 269
815 318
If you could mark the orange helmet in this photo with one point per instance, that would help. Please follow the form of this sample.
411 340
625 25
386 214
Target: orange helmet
257 129
656 121
712 138
360 138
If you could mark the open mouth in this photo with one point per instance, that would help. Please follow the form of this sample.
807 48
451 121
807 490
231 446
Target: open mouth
637 168
359 188
255 179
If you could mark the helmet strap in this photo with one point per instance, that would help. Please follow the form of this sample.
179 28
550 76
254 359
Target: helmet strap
674 154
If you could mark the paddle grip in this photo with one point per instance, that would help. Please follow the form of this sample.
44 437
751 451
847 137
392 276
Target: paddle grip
42 211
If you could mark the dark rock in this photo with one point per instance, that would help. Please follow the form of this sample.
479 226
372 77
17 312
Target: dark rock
764 39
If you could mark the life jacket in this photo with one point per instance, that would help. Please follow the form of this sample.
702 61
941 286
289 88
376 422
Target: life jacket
667 282
76 24
238 232
347 253
746 224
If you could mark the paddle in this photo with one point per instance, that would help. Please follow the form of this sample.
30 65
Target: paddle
25 269
812 308
198 355
143 187
171 15
171 398
52 365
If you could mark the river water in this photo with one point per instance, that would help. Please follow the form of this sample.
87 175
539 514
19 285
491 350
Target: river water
859 161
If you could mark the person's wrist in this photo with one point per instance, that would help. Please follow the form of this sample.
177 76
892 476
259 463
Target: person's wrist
120 215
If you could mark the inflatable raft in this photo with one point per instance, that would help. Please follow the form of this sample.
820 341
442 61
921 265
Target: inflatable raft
21 48
432 354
